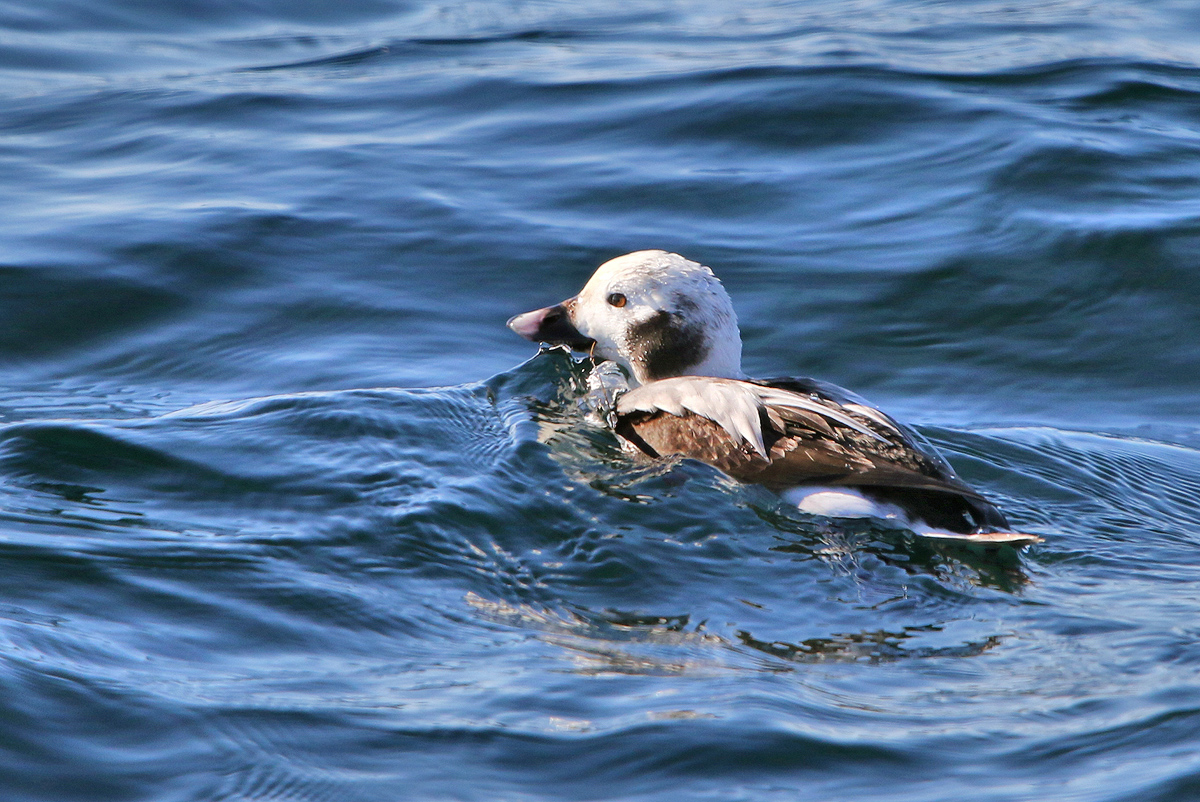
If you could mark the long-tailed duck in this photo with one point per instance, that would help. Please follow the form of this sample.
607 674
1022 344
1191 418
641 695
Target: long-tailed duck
669 323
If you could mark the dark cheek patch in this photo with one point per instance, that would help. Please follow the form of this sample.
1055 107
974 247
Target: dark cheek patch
667 346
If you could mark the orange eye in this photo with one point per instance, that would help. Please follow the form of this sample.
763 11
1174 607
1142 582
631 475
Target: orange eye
616 299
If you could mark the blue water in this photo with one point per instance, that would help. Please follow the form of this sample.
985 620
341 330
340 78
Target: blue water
286 513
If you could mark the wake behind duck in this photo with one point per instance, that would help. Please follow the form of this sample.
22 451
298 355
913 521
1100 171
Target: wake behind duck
669 323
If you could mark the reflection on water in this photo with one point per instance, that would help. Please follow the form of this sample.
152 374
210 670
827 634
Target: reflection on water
875 646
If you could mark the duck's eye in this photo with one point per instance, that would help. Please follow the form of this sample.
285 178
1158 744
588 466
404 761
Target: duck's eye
616 299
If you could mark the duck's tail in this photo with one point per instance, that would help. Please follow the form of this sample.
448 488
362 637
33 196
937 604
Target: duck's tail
1017 539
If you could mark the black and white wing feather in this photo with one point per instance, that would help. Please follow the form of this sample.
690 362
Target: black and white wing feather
788 432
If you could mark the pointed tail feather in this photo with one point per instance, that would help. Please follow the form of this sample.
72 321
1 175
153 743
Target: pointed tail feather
1017 539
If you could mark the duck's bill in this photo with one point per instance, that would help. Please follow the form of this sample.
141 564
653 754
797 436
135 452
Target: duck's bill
551 325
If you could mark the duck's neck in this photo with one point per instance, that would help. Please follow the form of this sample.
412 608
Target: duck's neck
727 365
723 362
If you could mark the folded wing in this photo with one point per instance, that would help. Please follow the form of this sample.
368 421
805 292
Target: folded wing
787 432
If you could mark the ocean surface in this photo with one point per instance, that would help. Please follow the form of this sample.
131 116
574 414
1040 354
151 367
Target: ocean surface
286 513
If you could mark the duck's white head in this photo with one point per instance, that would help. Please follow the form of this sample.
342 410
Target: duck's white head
655 313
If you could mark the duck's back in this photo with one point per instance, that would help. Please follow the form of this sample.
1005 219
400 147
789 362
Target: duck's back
788 432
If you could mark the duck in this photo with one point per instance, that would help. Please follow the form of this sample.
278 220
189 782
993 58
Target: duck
669 325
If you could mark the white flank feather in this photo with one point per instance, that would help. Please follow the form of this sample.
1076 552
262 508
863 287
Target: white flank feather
729 403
